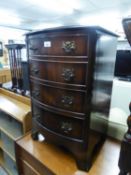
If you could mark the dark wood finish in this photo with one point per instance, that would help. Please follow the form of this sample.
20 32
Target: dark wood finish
60 124
57 44
62 72
15 65
60 98
71 71
125 153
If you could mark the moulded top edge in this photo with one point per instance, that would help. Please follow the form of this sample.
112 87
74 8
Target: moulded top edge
73 27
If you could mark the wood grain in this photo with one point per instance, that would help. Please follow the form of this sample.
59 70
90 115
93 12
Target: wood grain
62 163
73 86
14 105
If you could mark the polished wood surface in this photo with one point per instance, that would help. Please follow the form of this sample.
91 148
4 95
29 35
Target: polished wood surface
59 68
15 96
71 71
60 98
60 162
14 104
58 124
17 106
15 120
57 43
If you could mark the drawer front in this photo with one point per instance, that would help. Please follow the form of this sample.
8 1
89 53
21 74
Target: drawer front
67 126
73 73
29 164
27 169
58 45
59 98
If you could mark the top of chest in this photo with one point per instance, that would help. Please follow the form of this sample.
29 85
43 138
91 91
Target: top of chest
63 41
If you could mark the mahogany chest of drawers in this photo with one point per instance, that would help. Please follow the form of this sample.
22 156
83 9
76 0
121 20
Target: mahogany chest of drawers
71 71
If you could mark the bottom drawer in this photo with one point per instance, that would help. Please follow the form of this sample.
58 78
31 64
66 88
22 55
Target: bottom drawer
10 165
67 126
27 169
28 161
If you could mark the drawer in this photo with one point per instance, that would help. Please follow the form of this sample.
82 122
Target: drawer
73 73
27 169
58 45
29 162
59 98
67 126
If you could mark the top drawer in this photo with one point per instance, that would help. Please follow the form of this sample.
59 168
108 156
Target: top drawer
75 45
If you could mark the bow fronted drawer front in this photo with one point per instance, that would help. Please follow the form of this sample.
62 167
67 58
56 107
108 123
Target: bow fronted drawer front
63 125
59 98
60 72
52 44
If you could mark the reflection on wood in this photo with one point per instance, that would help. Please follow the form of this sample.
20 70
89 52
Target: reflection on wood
43 156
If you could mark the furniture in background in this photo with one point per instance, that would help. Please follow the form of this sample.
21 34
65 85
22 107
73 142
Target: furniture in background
5 75
122 65
125 153
71 71
25 71
15 120
14 51
1 49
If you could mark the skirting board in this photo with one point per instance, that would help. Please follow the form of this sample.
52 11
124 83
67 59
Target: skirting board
115 129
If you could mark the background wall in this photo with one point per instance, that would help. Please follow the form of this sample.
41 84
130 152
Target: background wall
123 45
6 34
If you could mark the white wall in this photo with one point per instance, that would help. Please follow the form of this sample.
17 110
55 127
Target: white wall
119 109
17 35
12 34
123 45
120 99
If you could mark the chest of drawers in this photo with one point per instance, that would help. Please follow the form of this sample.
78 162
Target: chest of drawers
71 71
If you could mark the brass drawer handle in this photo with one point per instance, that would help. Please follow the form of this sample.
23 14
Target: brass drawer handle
68 46
67 101
66 127
35 71
68 74
36 93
